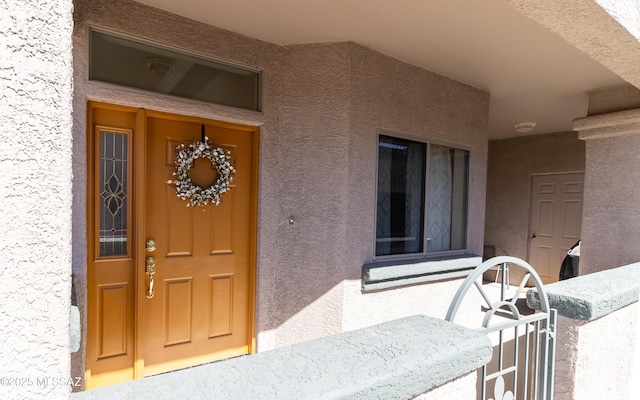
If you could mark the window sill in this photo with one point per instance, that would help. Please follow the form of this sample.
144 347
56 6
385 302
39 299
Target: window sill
381 275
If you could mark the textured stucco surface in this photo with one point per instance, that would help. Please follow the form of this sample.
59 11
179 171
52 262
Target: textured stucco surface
313 151
457 389
597 343
588 297
35 197
411 356
611 99
134 19
512 162
611 214
610 125
384 275
595 359
605 30
322 107
391 95
35 161
626 12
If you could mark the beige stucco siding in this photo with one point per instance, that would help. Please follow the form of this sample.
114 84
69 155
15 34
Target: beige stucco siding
322 107
35 197
611 221
136 20
605 30
313 145
512 162
397 97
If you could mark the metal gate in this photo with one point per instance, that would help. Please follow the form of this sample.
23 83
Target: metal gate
523 360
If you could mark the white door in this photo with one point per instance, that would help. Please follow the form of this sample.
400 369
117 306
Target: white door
555 221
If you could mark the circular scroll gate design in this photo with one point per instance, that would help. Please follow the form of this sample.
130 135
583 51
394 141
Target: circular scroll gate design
523 360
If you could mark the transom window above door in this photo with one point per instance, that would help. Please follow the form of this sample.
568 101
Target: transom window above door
422 198
132 63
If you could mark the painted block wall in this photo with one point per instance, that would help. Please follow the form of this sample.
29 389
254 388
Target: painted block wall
35 197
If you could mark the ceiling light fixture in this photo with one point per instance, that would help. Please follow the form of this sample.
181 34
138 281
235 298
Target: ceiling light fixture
160 67
524 127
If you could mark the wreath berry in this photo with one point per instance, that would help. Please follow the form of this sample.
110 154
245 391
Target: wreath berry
199 195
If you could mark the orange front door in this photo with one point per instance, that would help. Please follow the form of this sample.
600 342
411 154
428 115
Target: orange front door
202 300
200 308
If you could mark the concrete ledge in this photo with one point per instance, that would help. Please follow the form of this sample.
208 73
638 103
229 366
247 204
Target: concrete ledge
388 274
592 296
619 123
395 360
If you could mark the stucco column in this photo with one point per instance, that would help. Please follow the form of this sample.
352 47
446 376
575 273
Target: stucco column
611 213
35 197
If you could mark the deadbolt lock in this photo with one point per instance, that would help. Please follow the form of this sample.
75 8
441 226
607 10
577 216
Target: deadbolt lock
150 245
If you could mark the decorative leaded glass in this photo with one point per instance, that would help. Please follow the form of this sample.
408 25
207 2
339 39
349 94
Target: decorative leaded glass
113 196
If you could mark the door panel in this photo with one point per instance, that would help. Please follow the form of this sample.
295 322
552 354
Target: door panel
110 250
200 309
556 218
221 321
203 302
112 320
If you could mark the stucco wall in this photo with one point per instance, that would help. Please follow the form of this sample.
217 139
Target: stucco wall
35 198
511 164
612 99
389 94
590 366
605 30
312 154
137 20
611 218
611 132
322 106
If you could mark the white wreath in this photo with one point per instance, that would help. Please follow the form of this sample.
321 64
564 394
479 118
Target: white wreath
198 195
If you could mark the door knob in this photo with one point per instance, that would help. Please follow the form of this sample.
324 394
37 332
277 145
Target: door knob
532 236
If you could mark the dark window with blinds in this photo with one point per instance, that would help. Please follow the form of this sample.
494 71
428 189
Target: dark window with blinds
422 197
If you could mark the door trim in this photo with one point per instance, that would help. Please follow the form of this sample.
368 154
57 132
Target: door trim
138 202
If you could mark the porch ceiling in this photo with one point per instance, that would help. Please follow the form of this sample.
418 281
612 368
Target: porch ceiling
531 73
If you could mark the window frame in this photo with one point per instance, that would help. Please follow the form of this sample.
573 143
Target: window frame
424 255
90 28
